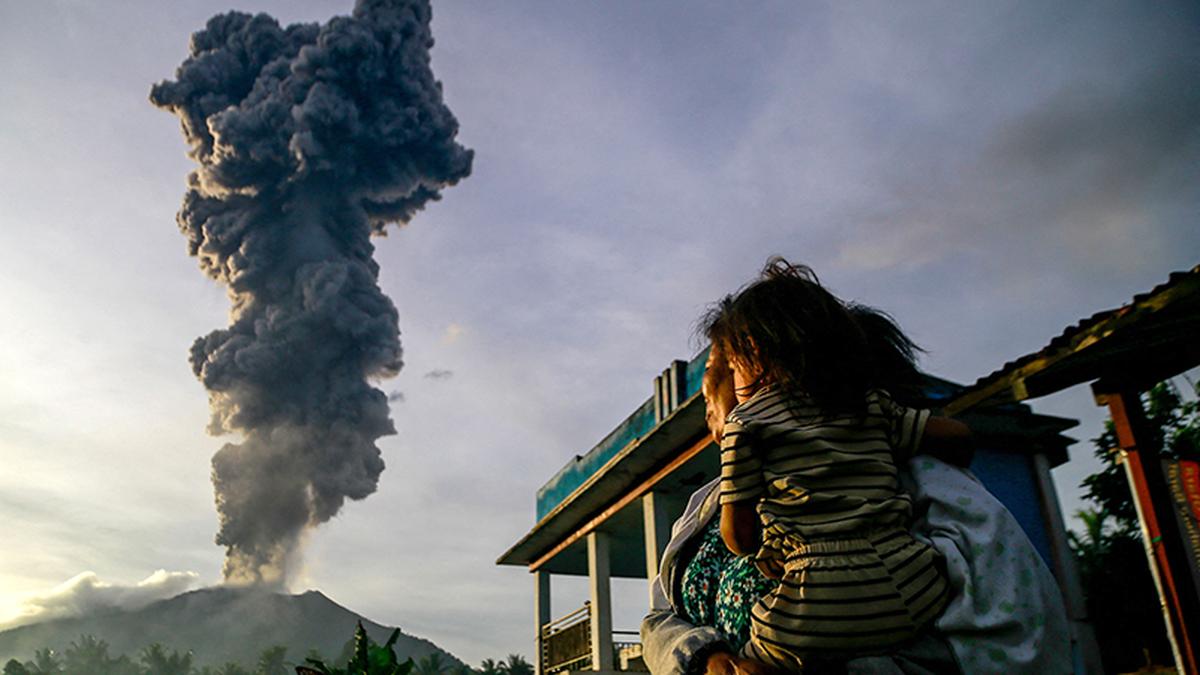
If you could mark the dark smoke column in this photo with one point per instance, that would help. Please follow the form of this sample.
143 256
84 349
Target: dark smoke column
310 139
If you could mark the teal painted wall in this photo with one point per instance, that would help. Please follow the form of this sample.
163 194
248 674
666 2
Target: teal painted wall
578 470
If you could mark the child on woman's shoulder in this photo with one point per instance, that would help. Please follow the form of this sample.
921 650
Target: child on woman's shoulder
809 459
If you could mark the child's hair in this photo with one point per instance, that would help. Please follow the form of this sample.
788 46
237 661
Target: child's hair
806 341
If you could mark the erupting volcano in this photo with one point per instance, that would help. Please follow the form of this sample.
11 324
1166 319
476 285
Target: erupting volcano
309 139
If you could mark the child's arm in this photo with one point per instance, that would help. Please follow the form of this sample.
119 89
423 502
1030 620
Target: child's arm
740 527
948 440
741 488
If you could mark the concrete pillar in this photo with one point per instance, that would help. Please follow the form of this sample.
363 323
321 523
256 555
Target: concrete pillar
541 615
1064 566
601 614
658 532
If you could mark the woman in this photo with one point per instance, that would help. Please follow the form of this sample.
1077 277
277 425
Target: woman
1007 614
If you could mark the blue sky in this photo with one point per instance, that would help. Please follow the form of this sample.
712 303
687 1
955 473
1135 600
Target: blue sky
986 172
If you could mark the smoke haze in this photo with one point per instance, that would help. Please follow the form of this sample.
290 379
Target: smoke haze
309 140
85 594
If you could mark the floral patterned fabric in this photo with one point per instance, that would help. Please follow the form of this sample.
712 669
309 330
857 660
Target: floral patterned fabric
719 588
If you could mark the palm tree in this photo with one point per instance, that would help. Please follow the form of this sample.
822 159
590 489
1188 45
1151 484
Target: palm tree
45 662
516 664
87 655
158 661
433 664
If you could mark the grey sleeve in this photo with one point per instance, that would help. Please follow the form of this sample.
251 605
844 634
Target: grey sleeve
672 646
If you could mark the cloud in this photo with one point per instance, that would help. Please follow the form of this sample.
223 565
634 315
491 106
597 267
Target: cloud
85 593
439 374
1095 161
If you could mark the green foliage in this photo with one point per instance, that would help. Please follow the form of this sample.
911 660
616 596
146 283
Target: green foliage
1174 426
45 662
368 658
433 664
270 662
1121 597
516 664
158 661
87 655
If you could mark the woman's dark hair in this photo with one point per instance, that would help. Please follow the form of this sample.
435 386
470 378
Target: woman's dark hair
809 343
893 355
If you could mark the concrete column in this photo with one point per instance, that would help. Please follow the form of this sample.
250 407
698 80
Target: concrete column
658 532
1064 566
601 614
541 614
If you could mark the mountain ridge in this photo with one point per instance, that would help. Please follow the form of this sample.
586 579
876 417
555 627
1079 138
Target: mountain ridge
218 625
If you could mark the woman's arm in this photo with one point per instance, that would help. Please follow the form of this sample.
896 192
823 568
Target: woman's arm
673 646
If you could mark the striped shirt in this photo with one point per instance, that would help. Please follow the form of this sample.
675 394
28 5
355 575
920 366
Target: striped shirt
817 475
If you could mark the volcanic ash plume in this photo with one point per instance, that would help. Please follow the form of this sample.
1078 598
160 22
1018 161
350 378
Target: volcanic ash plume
310 139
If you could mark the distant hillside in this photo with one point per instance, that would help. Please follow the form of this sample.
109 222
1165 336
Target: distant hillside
218 625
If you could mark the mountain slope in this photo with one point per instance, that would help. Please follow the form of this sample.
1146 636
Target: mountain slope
218 625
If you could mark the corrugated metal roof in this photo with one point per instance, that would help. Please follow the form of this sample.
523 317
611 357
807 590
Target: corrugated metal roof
1180 287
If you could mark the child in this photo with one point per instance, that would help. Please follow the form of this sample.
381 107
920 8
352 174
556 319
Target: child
808 472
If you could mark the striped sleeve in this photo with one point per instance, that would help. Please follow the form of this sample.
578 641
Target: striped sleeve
741 468
906 426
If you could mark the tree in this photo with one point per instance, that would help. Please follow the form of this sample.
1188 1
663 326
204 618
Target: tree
1121 598
89 654
15 667
490 667
516 664
1174 426
158 661
431 664
368 658
270 662
45 662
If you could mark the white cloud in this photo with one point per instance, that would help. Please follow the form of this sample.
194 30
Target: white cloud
86 593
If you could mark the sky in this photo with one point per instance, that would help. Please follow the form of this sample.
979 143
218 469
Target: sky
986 172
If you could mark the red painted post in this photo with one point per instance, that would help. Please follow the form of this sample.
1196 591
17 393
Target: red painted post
1177 590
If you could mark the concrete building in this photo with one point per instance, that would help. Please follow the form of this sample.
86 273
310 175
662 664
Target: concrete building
608 512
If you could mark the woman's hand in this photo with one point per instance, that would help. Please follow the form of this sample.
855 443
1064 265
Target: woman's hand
721 663
724 663
752 667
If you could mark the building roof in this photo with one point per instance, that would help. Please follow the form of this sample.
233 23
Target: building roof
598 496
1152 337
675 456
